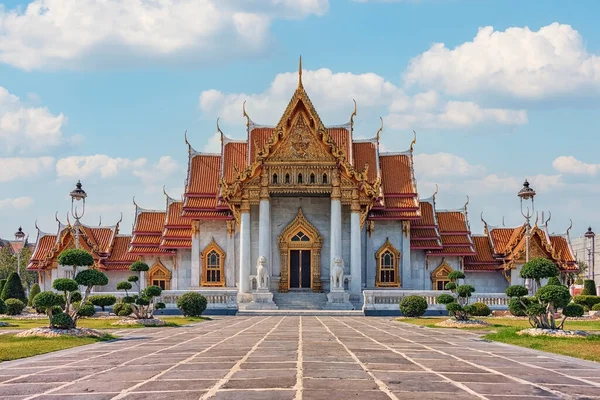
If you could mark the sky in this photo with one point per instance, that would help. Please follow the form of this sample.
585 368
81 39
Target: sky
103 91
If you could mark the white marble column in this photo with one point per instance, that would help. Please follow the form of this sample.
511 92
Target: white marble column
195 265
355 249
264 231
245 244
230 259
336 228
405 270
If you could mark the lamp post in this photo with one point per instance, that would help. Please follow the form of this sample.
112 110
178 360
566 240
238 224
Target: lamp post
525 194
77 194
590 237
19 237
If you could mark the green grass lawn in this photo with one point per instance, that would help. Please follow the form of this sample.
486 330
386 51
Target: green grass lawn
505 330
12 347
96 323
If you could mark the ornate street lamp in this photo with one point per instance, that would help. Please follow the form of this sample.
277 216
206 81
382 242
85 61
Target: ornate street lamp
77 195
590 237
525 194
19 237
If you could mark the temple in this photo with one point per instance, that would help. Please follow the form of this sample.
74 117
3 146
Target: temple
302 194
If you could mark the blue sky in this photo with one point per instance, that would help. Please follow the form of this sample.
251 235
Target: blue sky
103 92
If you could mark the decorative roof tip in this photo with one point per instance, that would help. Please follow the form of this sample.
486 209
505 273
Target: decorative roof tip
245 114
436 192
300 72
100 222
412 144
503 224
190 149
377 135
352 116
570 226
466 204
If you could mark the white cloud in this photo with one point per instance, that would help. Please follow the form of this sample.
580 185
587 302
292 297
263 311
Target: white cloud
108 167
331 93
444 164
571 165
15 168
76 33
519 62
27 129
18 203
213 145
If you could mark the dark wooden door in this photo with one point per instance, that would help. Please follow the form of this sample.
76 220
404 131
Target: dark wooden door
295 269
300 269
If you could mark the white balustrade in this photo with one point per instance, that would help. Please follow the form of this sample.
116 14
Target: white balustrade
215 298
389 299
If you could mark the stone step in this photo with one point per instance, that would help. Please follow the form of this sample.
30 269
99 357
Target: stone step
306 313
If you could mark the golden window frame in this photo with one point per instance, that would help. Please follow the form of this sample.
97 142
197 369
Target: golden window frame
213 246
388 247
160 273
440 274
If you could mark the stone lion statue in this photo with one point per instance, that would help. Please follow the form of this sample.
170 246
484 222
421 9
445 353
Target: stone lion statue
262 273
337 273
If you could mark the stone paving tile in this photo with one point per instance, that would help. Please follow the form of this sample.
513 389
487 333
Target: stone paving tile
250 358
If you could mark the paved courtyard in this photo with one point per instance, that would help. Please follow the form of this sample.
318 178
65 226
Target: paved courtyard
299 358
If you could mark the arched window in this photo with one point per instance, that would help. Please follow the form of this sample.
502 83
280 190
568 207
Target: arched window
439 277
287 178
213 261
159 276
325 178
300 178
275 179
300 237
312 178
388 266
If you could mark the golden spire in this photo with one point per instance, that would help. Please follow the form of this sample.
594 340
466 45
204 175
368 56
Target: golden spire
466 204
300 72
245 114
186 141
412 144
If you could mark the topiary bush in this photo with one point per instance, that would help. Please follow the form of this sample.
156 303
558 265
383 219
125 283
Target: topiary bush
122 309
62 321
573 310
553 280
548 299
2 283
192 304
445 299
2 307
34 291
586 300
589 288
13 289
518 306
480 310
86 310
47 302
413 306
75 258
103 300
14 306
142 305
537 269
596 307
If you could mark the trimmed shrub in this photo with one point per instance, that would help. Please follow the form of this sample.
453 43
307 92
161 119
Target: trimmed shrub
2 283
34 291
44 300
455 275
160 306
413 306
13 289
450 286
86 310
559 296
139 266
596 307
75 258
65 285
76 296
480 310
586 300
516 307
124 286
589 288
539 268
122 309
445 299
2 307
91 278
573 310
61 321
132 278
516 291
192 304
14 306
465 291
553 280
103 300
453 308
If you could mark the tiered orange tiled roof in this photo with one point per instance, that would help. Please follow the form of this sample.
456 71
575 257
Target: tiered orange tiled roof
483 260
365 152
177 232
119 258
147 232
455 234
235 155
424 232
342 138
258 136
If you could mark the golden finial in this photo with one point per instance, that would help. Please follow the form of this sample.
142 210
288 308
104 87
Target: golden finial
245 114
300 72
120 220
570 226
353 115
467 203
380 129
537 215
549 218
219 129
412 144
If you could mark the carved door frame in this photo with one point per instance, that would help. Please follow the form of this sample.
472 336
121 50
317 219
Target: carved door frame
314 244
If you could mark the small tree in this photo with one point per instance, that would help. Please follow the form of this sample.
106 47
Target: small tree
413 306
589 288
48 301
537 269
34 291
13 289
142 305
103 300
518 302
458 306
75 258
139 267
192 304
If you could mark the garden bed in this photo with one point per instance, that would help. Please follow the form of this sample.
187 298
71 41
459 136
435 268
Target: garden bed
553 332
143 322
472 323
55 332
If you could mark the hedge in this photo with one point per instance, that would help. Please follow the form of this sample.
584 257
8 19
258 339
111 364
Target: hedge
413 306
14 306
13 289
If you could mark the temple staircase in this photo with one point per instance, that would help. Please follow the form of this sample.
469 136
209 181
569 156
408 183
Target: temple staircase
297 303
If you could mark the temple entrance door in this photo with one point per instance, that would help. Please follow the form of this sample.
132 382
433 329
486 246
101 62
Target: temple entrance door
300 269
